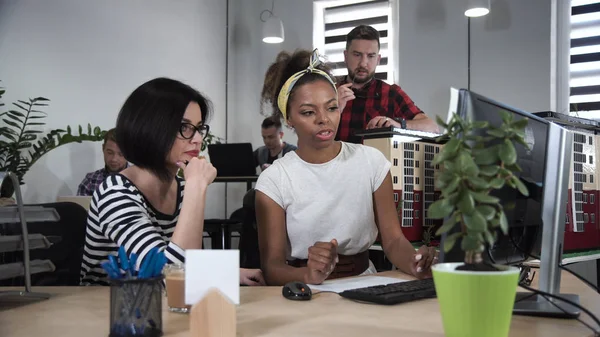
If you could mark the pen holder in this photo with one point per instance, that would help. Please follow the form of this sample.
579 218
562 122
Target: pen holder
136 307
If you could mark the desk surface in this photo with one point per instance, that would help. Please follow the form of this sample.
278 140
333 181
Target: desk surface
83 311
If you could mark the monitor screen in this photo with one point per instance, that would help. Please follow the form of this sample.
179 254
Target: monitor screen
523 213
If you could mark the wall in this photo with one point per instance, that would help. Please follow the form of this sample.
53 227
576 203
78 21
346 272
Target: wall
249 59
432 52
511 54
87 56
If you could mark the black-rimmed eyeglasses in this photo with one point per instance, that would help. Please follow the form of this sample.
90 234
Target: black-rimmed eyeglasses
188 130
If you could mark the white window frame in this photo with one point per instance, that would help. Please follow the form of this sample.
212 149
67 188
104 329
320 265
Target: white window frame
392 67
583 73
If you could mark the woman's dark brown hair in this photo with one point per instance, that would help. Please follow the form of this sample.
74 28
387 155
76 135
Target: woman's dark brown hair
284 67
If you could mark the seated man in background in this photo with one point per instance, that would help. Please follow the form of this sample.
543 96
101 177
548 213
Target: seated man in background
114 162
275 147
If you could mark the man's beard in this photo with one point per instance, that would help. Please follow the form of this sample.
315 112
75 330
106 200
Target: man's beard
109 169
352 75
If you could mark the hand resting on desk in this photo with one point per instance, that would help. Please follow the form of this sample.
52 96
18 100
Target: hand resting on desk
423 259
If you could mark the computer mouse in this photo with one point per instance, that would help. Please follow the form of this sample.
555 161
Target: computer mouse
297 291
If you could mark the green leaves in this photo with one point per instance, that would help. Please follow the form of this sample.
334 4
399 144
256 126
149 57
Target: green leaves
475 222
473 166
440 209
507 152
23 140
451 240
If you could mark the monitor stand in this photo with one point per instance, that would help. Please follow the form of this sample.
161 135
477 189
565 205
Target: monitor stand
556 183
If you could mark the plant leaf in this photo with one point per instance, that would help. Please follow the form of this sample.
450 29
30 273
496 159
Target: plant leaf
488 171
497 183
448 225
440 122
520 186
520 124
450 241
490 238
471 243
488 212
452 185
507 152
479 183
475 222
466 164
484 198
506 116
466 204
440 209
486 156
497 133
11 123
452 146
503 223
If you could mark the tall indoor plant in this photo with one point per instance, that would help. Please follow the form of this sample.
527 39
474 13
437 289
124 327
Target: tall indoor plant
476 298
22 142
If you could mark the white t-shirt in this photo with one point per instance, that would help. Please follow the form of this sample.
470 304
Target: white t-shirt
333 200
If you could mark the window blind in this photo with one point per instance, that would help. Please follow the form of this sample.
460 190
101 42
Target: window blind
584 66
339 20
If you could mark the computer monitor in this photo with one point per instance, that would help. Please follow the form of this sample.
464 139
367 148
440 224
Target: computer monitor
536 222
232 159
524 214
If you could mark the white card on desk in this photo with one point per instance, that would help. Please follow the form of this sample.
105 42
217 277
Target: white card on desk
206 269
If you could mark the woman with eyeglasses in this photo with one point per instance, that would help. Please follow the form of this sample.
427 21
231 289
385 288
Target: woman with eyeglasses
160 130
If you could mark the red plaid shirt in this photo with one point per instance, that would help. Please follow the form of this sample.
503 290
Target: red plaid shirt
376 98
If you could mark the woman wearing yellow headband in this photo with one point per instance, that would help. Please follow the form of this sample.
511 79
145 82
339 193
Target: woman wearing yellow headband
319 209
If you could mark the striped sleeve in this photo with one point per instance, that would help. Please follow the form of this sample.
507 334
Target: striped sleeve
124 220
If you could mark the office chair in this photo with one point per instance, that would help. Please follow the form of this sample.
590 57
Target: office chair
249 252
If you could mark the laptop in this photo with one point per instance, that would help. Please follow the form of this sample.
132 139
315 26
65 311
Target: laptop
233 159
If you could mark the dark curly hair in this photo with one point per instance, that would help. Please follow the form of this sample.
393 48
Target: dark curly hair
284 67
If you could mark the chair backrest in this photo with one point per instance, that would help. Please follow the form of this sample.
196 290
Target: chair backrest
82 200
67 253
249 252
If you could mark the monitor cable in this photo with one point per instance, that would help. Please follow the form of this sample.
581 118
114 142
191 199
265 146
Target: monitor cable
525 285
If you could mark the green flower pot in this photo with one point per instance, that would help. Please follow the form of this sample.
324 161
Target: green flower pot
475 304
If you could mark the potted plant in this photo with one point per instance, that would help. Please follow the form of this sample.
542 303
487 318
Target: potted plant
476 298
22 142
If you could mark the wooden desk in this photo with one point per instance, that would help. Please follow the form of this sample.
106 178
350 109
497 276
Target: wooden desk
83 311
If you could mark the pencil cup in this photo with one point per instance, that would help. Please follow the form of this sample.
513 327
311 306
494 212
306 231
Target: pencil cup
136 307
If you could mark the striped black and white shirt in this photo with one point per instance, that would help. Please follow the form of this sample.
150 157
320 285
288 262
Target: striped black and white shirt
120 215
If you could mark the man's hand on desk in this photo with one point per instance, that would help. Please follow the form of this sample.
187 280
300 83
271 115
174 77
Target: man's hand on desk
322 258
423 259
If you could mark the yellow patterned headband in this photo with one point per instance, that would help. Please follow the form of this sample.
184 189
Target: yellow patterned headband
284 93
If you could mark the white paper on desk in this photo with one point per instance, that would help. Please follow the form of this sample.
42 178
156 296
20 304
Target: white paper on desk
206 269
352 283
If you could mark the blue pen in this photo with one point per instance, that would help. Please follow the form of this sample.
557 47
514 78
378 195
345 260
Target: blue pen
132 262
123 259
114 264
146 263
108 267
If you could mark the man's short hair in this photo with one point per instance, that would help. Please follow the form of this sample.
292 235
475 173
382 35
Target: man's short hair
363 32
110 135
150 120
271 121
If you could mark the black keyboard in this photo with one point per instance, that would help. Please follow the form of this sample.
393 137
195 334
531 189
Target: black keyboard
393 293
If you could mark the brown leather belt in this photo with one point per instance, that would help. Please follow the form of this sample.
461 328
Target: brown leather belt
348 265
